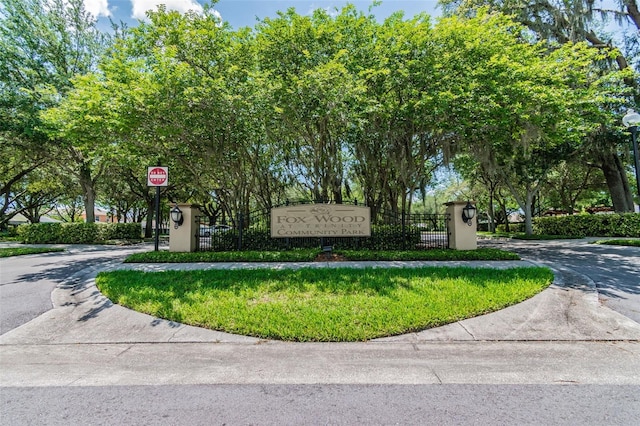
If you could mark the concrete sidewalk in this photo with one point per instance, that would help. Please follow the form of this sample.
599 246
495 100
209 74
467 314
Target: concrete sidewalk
562 335
567 311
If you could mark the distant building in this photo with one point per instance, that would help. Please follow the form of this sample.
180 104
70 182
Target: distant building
102 216
600 210
20 219
557 212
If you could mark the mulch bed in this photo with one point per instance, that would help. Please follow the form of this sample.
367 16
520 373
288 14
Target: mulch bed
330 257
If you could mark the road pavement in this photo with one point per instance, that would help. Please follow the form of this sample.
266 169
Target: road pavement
614 270
561 357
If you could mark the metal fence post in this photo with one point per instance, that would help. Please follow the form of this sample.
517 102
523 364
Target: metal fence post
240 227
404 231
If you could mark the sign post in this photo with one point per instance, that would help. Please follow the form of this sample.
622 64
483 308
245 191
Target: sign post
157 176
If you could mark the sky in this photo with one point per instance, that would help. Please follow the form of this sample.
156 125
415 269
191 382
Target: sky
241 13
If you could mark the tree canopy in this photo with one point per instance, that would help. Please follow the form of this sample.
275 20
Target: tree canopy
323 107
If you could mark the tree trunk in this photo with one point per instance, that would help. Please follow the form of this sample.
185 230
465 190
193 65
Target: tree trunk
526 204
491 214
148 228
528 212
89 193
617 183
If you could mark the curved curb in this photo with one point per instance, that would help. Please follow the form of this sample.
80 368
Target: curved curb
568 310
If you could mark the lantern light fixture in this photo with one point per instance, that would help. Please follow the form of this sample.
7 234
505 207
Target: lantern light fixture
468 213
176 216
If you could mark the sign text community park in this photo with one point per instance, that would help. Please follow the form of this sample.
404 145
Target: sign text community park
320 220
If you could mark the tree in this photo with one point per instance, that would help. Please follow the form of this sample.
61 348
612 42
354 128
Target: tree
312 93
570 22
570 182
396 146
43 44
515 107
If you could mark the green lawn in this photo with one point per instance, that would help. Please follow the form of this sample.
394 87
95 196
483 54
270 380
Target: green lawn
620 242
322 304
523 236
19 251
308 255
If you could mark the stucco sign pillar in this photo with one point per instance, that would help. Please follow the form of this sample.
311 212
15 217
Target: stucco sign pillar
184 237
462 236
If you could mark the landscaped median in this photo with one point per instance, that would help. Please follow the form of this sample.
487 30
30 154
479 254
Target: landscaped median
309 255
635 242
21 251
323 304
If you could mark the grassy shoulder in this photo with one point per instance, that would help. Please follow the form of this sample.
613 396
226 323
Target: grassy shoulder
21 251
311 304
523 236
309 255
620 242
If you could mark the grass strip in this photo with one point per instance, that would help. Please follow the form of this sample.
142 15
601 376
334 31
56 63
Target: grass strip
21 251
524 236
309 255
223 256
434 254
319 304
620 242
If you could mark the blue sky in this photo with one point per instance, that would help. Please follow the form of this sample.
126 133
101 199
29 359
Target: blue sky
240 13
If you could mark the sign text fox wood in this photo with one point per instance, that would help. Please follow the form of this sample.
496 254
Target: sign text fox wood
320 220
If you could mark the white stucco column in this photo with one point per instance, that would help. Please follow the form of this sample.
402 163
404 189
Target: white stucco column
183 238
461 235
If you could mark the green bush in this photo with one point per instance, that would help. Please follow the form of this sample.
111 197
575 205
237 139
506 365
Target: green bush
40 233
77 233
513 227
383 237
599 225
120 231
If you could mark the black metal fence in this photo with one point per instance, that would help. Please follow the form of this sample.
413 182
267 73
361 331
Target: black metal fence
389 231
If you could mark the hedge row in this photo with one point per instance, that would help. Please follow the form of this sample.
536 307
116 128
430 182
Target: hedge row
78 233
383 237
598 225
513 227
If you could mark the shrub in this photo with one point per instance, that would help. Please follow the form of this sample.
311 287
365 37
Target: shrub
513 227
77 233
599 225
383 237
40 233
120 231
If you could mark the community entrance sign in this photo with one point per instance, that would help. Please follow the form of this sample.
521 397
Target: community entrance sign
320 220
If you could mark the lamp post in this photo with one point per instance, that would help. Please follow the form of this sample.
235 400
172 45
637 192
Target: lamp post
631 120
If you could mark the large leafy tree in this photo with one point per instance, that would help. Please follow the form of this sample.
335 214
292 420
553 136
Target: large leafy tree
43 44
396 146
182 90
312 93
516 108
582 21
353 102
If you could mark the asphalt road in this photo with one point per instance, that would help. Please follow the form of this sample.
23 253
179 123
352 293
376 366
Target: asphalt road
323 404
589 382
26 282
615 270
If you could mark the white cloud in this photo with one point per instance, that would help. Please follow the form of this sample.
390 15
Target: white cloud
139 7
97 7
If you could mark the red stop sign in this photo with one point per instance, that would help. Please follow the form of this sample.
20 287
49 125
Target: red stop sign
157 176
